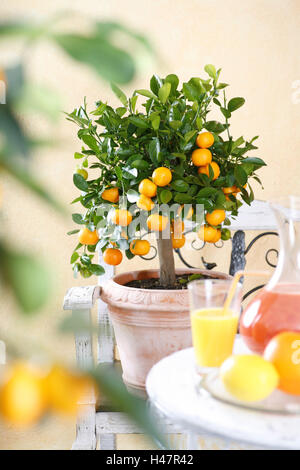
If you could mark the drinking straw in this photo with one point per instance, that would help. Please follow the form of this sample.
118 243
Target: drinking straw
234 284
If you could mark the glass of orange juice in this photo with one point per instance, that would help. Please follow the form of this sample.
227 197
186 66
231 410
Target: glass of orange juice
213 327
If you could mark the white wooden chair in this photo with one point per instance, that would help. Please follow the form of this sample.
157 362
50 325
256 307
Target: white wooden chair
103 426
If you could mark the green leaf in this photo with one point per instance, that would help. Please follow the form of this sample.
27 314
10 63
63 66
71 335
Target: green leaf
189 135
183 198
175 124
210 70
138 122
78 155
165 196
237 143
72 232
155 122
255 161
110 62
154 150
191 92
240 175
91 142
214 126
225 112
147 93
23 176
119 94
80 182
28 278
174 81
155 84
78 219
140 164
74 257
12 132
164 92
180 186
235 103
206 192
97 269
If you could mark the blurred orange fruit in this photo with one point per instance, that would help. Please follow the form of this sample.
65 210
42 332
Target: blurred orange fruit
201 157
162 176
64 390
147 188
283 350
205 140
22 399
87 237
111 195
140 247
112 256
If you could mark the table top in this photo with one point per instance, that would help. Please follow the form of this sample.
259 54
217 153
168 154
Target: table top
171 388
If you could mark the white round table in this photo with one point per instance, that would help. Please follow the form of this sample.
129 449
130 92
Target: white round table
171 389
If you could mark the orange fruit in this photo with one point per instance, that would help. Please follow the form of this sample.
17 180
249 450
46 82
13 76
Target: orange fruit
121 217
112 256
205 170
208 234
157 222
65 389
201 157
22 399
189 214
178 242
162 176
147 188
87 237
140 247
216 217
83 173
205 140
111 195
145 203
283 350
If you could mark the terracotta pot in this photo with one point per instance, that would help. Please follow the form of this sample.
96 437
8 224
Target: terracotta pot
149 324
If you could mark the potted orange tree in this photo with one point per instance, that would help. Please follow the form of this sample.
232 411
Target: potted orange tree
153 165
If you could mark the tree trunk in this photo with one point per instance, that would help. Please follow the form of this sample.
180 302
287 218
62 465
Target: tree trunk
166 260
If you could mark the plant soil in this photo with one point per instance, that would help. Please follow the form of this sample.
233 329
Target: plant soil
181 282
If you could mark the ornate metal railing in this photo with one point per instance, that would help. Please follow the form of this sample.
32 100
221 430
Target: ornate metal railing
237 258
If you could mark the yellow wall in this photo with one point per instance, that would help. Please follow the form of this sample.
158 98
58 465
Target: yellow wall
255 42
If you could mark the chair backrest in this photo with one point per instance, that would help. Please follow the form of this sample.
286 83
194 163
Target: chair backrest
106 342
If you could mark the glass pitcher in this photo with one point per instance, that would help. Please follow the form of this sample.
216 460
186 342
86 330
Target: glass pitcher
277 307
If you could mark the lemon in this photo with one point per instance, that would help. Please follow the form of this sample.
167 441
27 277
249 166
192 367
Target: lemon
249 377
